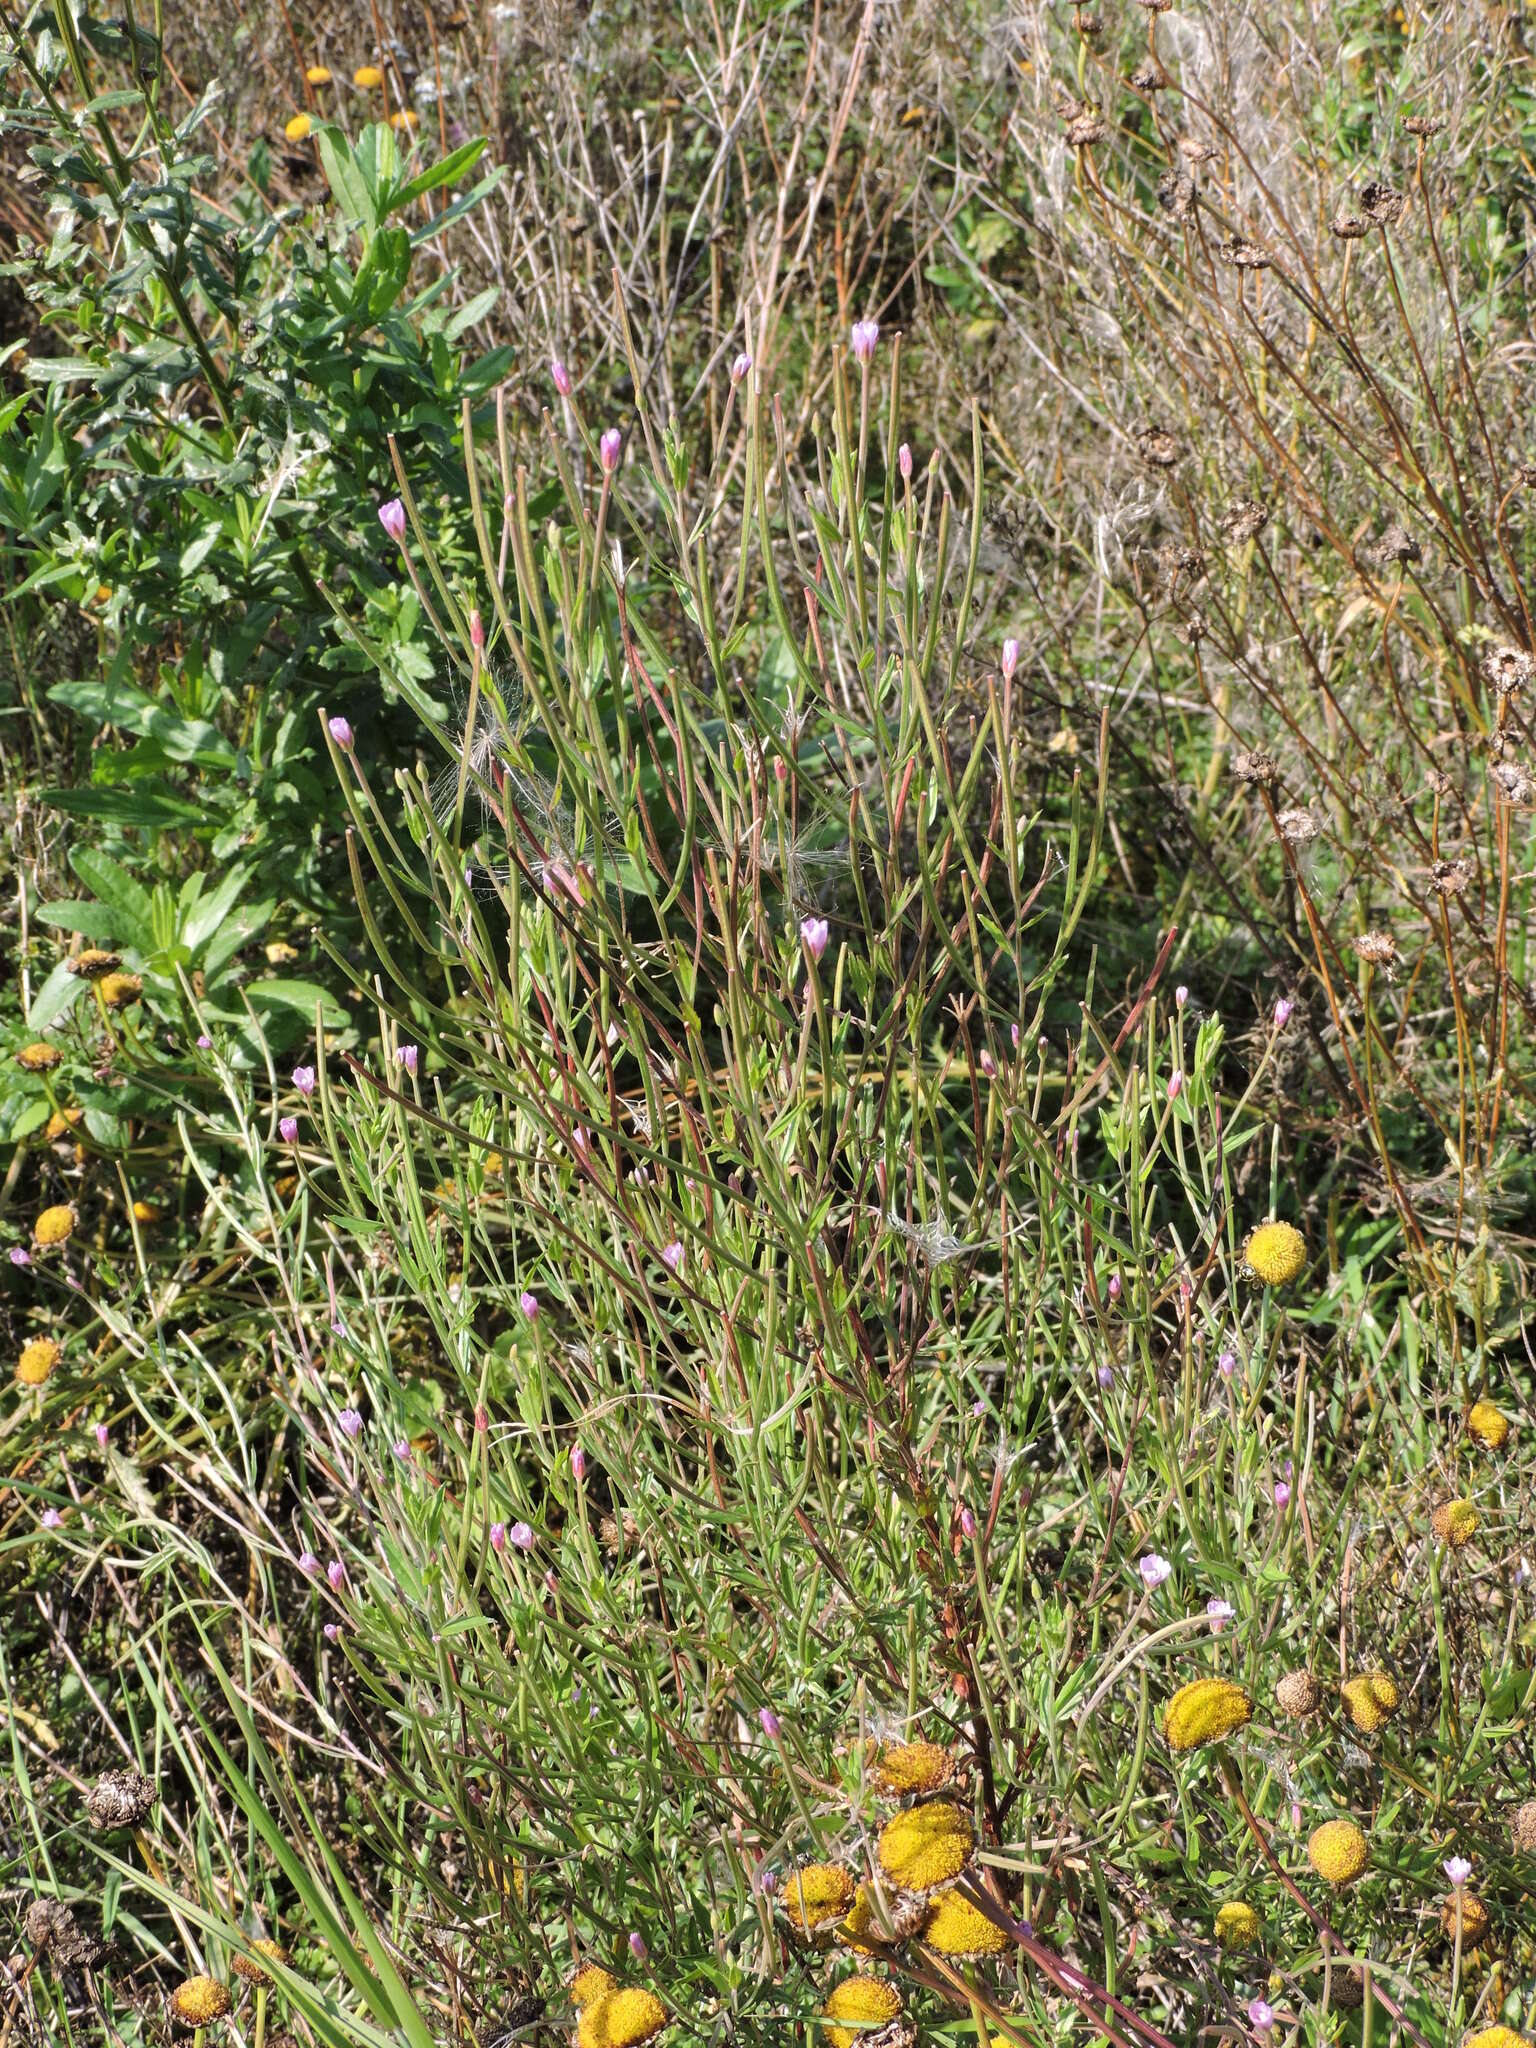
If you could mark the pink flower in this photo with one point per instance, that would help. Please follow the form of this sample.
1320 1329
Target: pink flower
336 1572
498 1537
1261 2017
562 377
332 1631
402 1449
768 1882
1114 1286
770 1723
1106 1377
1154 1570
1220 1612
204 1042
52 1519
1283 1010
741 367
1282 1495
1181 995
610 447
865 336
1226 1364
521 1535
578 1464
637 1947
813 935
392 518
309 1564
288 1129
672 1256
1457 1870
904 462
1010 659
1175 1084
351 1422
476 630
340 731
529 1304
407 1056
304 1080
967 1522
1013 1033
20 1256
482 1419
103 1436
987 1064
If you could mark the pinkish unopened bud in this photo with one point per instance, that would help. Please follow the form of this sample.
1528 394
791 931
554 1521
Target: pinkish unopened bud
407 1056
741 367
967 1522
336 1572
672 1257
610 448
578 1463
498 1537
529 1304
1175 1085
637 1947
1181 995
340 732
770 1723
562 377
288 1129
482 1419
904 462
476 632
814 935
864 338
392 518
987 1064
1114 1286
103 1436
1010 659
1283 1010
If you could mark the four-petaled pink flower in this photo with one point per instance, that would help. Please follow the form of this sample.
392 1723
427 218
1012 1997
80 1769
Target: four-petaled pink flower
1154 1570
288 1129
392 518
340 732
1220 1613
562 377
610 447
304 1080
672 1256
52 1519
865 336
813 935
407 1056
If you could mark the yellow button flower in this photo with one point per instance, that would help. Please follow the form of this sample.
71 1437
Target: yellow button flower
817 1894
1371 1698
198 2002
93 963
37 1361
1275 1253
1237 1924
1455 1522
1496 2037
368 77
119 990
297 127
250 1967
867 2002
620 2019
904 1768
588 1983
39 1057
926 1847
54 1226
1205 1711
1471 1914
1337 1851
957 1927
318 74
1487 1425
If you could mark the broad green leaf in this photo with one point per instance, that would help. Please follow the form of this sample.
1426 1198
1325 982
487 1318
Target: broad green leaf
115 887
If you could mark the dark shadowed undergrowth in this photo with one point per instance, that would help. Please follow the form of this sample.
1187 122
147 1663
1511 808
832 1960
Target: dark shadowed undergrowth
767 1088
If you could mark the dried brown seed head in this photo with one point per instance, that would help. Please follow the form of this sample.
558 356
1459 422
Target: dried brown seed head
1157 446
1086 130
1382 203
1348 227
1149 76
1297 827
1241 254
1380 948
1522 1828
1245 521
119 1799
1255 766
1176 192
1194 152
1424 125
93 963
1395 545
1506 669
1298 1694
1450 877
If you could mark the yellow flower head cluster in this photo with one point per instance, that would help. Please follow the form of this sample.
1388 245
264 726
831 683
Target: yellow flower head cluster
1337 1851
871 1924
1205 1711
956 1927
1371 1698
54 1226
816 1895
297 126
1464 1915
904 1769
250 1968
927 1847
61 1122
368 77
318 74
1487 1425
1455 1522
865 2003
117 991
1237 1924
198 2002
620 2019
39 1057
37 1361
1497 2037
588 1983
1275 1253
93 963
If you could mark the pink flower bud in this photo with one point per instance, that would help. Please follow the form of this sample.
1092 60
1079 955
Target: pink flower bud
814 935
1181 995
332 1631
392 518
20 1256
904 462
967 1522
637 1947
741 367
1282 1495
204 1042
770 1722
1106 1377
407 1056
1226 1364
610 448
529 1304
562 377
1010 659
351 1422
482 1419
672 1256
476 631
336 1572
578 1464
780 769
1219 1612
340 732
521 1535
498 1537
309 1564
103 1436
1283 1010
1175 1084
865 336
304 1080
288 1129
1114 1286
